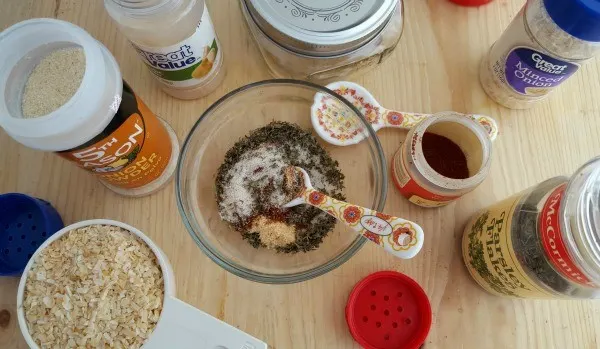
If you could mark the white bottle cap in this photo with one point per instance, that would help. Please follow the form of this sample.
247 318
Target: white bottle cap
85 115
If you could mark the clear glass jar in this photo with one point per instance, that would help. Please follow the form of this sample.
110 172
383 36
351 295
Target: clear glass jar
543 46
541 243
419 182
177 41
323 58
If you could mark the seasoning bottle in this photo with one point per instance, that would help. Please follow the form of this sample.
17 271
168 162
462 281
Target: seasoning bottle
443 157
541 243
543 46
176 40
103 127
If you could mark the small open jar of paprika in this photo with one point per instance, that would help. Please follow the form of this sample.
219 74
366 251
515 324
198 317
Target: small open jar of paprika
443 158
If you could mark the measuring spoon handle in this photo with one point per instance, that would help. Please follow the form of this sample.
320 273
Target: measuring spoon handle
400 237
400 119
182 326
488 123
405 120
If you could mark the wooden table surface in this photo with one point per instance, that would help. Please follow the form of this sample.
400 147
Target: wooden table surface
434 68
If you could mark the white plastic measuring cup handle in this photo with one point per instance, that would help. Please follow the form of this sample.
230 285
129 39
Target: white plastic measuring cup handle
184 327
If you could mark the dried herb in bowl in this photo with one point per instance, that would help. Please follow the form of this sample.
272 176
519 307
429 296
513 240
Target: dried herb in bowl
250 188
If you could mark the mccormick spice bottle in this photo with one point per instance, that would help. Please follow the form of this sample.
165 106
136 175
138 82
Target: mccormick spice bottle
177 41
443 157
545 44
541 243
101 124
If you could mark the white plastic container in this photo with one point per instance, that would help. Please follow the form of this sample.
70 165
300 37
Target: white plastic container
545 44
180 325
104 128
176 40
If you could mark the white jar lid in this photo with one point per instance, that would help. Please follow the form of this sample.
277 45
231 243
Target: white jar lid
321 27
85 114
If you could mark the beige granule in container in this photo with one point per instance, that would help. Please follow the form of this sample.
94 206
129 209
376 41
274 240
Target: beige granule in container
96 286
272 233
53 82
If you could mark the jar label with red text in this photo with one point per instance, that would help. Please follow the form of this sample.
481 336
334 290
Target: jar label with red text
553 242
489 255
132 151
410 189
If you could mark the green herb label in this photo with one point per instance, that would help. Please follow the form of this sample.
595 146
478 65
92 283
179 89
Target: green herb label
189 62
489 256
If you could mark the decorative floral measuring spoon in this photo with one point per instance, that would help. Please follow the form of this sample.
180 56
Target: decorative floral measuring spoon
330 119
397 236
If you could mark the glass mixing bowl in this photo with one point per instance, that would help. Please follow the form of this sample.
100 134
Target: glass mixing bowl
231 118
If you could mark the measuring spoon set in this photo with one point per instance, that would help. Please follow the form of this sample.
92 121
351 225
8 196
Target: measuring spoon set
332 122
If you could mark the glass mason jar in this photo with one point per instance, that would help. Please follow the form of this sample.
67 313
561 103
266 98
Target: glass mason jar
324 42
416 179
541 243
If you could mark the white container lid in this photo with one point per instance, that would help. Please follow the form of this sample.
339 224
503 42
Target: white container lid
321 27
85 115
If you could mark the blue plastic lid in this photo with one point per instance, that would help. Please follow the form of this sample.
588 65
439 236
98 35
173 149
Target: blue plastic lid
25 223
580 18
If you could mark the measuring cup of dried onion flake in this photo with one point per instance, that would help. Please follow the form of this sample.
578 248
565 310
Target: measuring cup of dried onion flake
103 283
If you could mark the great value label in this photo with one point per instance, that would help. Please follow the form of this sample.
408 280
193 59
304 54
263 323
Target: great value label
187 63
531 72
524 66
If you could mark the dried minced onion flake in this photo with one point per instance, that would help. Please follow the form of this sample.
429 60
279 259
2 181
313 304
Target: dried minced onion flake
96 286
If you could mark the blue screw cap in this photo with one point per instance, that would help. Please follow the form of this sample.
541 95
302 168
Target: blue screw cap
25 223
580 18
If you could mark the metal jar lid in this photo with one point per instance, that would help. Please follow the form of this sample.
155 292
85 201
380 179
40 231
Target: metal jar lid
321 27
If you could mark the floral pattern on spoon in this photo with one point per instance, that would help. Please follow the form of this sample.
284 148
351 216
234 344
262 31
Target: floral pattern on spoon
333 122
400 237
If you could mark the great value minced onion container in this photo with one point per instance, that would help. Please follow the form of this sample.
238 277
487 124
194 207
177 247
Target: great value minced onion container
104 127
547 42
325 40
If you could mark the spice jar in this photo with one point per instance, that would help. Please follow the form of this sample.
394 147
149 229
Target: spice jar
325 41
443 157
102 125
177 41
541 243
544 45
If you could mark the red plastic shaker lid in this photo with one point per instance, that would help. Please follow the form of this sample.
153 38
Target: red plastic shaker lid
388 310
471 2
